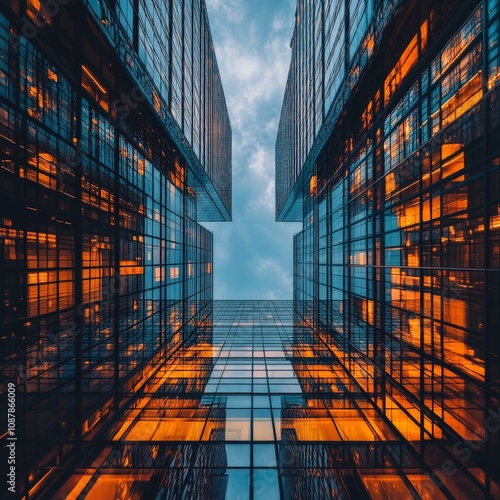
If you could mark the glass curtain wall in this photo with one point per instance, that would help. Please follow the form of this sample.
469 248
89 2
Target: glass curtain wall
397 266
105 268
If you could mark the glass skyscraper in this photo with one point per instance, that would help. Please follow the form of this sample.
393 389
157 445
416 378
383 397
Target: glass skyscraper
388 152
115 143
381 379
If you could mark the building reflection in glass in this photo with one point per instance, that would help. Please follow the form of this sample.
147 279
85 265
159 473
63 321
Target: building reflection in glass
391 161
207 422
256 405
169 442
112 151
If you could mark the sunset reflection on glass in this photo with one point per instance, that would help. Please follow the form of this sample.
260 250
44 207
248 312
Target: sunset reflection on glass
254 406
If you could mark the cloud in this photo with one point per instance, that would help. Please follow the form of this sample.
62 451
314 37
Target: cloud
276 274
253 255
262 166
233 11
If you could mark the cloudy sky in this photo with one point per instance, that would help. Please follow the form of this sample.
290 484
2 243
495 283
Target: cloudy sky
253 254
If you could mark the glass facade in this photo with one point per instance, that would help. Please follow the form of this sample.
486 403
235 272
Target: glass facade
395 174
253 406
115 142
209 422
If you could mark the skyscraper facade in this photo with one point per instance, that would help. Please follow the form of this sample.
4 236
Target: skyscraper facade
388 152
115 143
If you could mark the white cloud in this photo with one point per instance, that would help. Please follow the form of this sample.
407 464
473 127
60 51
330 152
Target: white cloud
232 10
278 24
252 73
258 161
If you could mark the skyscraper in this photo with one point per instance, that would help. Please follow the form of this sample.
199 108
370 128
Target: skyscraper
388 152
115 143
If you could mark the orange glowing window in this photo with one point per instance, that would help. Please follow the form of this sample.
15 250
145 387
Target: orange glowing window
410 215
37 12
174 273
95 87
390 183
424 34
313 186
157 102
368 311
453 165
495 221
367 116
469 95
449 149
369 43
177 176
405 64
41 169
141 166
130 268
358 179
51 75
209 267
494 77
49 291
159 274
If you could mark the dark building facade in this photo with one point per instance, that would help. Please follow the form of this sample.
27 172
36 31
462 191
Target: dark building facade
115 143
168 441
388 152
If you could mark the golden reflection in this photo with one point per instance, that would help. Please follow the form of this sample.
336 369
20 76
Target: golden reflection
368 311
130 268
50 279
464 99
181 419
167 429
398 410
495 221
52 75
457 45
37 11
385 484
405 64
313 185
115 486
97 196
494 78
42 168
453 165
156 101
95 87
178 174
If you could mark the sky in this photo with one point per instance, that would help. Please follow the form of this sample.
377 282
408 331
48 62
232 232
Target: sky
253 254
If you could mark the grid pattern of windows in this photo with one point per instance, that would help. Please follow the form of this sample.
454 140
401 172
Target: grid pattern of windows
105 268
397 266
251 408
332 43
167 46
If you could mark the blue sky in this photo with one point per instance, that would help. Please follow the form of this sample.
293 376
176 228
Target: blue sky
253 254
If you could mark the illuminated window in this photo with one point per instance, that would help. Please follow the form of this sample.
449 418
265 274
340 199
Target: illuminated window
95 87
